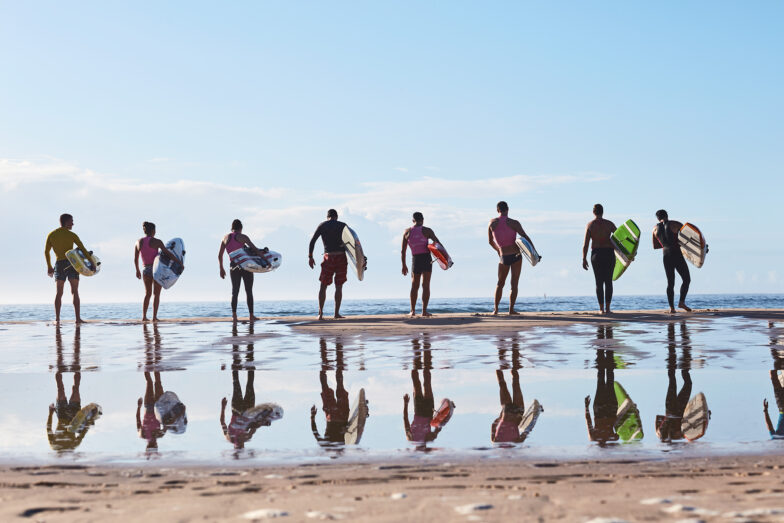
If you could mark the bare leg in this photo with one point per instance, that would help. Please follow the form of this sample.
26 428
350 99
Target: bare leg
147 294
338 300
76 302
156 301
426 293
415 278
58 300
517 267
503 271
322 297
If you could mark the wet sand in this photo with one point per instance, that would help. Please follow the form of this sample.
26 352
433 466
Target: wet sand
716 489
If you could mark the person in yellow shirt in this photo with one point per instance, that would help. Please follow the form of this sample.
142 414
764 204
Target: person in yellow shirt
62 240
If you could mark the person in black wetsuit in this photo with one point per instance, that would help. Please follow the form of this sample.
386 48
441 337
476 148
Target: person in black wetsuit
598 232
334 264
605 403
665 237
668 426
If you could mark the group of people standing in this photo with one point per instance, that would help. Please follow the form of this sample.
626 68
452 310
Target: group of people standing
502 234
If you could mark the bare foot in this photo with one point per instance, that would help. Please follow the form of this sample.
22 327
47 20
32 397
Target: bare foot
144 319
601 311
154 319
495 312
672 311
253 318
339 317
426 314
321 317
608 312
412 314
79 320
684 307
514 313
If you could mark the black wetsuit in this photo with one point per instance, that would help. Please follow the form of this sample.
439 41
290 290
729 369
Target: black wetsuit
331 232
673 261
603 263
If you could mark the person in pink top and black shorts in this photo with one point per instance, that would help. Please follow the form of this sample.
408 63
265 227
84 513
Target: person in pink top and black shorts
147 248
231 242
416 238
502 234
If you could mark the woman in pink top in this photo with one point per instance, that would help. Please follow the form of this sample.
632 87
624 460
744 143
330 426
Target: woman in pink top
147 247
506 427
502 234
419 430
231 242
416 238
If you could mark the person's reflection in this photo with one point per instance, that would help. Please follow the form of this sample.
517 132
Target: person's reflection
73 421
605 402
420 430
334 403
506 427
778 390
668 427
163 410
246 417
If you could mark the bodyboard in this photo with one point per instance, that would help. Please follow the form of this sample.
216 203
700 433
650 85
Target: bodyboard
626 241
442 257
84 418
85 264
266 262
443 414
527 249
166 271
264 413
628 424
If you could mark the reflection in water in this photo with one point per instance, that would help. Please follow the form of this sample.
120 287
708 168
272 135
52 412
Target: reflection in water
776 378
334 403
427 423
246 416
512 425
163 411
73 421
605 401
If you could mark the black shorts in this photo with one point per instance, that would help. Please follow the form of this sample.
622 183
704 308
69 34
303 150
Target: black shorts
63 270
511 259
421 263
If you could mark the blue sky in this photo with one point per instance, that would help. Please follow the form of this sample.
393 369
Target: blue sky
192 114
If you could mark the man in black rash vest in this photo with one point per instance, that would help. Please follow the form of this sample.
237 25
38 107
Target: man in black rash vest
665 237
334 264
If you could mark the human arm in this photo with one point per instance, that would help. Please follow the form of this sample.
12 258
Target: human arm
403 251
515 225
588 417
656 243
586 242
220 258
49 419
139 414
136 260
313 426
158 244
768 421
316 235
491 240
429 234
243 238
79 243
406 423
223 416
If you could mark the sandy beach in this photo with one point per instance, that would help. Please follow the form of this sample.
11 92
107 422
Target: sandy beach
723 489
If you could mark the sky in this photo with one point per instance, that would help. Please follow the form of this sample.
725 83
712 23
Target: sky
191 114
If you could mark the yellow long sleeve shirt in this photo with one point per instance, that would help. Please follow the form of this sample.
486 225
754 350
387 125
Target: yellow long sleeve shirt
61 240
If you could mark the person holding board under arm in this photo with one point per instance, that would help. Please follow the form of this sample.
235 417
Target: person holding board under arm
147 248
416 238
502 233
62 240
665 237
335 263
597 233
231 242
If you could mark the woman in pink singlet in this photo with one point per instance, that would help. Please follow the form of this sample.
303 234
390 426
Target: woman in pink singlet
147 247
502 234
416 238
231 242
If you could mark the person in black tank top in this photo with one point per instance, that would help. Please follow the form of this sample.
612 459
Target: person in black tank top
335 264
665 237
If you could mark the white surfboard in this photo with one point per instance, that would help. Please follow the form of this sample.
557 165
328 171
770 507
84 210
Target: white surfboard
266 262
692 244
85 264
695 418
527 249
356 420
166 271
354 251
264 413
530 418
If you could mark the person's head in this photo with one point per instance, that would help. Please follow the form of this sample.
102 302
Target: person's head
332 214
149 228
502 207
598 210
66 220
236 226
418 218
661 215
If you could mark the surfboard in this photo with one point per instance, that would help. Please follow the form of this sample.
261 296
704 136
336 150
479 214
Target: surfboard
354 251
443 414
442 257
527 250
530 418
695 418
628 424
84 418
170 412
356 419
692 244
625 240
85 264
166 271
264 413
266 262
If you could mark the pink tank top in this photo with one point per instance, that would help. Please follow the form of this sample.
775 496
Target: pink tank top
148 253
420 428
232 245
416 240
504 235
506 432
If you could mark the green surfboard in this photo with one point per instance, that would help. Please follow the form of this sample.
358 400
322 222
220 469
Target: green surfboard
625 240
628 424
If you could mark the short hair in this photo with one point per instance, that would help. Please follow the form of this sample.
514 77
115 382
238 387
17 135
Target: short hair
332 213
598 210
502 206
64 218
236 225
149 228
661 214
418 217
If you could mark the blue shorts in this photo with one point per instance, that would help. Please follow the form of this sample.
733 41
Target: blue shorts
511 259
63 270
147 271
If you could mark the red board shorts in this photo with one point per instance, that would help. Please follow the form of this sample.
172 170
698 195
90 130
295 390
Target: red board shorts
334 265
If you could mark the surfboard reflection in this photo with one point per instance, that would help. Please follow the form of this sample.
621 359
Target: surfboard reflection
514 423
777 380
73 420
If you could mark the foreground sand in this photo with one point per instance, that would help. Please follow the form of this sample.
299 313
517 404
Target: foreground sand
715 489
